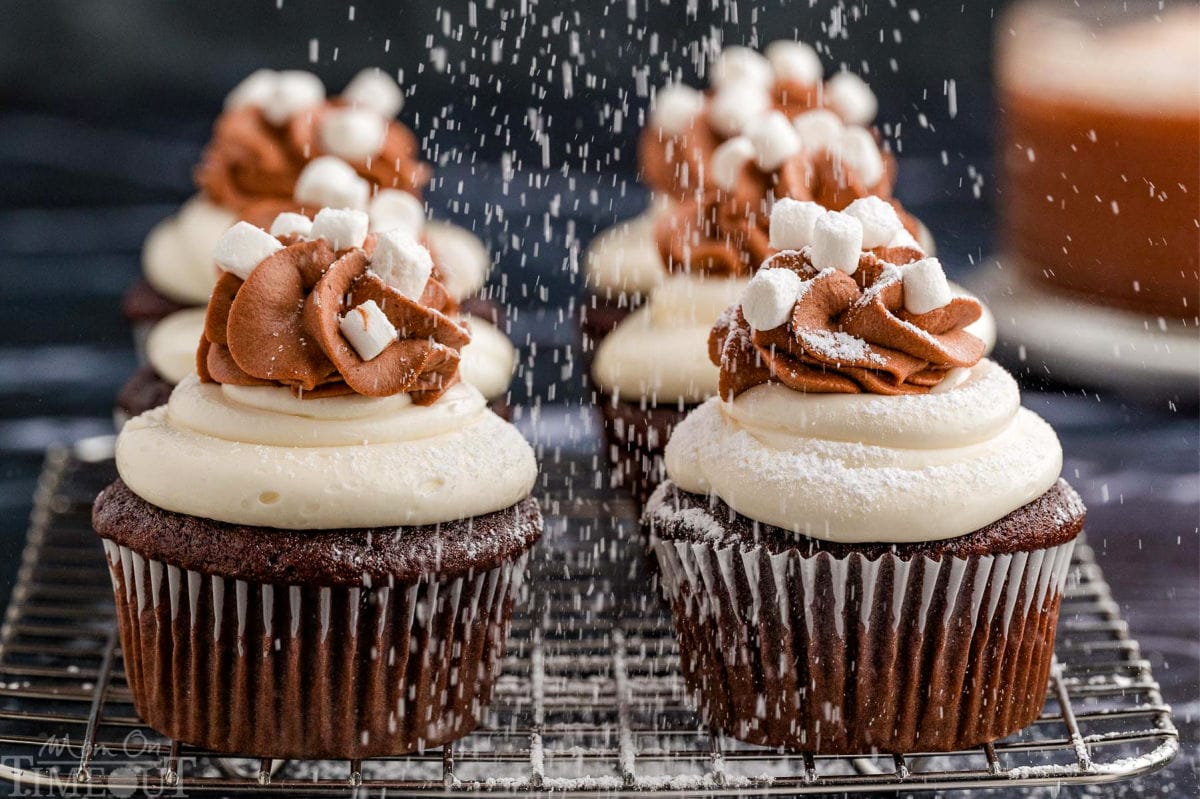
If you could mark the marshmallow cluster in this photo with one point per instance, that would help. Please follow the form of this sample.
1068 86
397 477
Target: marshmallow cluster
343 228
367 329
371 89
280 95
392 208
355 134
243 247
835 240
784 60
852 98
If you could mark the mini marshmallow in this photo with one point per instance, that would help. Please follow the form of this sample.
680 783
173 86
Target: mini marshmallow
243 247
774 140
392 209
837 242
402 263
675 108
858 152
925 286
741 64
736 105
255 89
905 239
355 134
879 220
367 329
289 224
852 98
769 298
795 61
330 181
295 91
818 129
341 227
792 223
372 89
728 161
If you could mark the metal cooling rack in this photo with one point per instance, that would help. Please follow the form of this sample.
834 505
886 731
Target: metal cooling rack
590 701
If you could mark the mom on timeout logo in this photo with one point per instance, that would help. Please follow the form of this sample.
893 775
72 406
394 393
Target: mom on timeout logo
131 768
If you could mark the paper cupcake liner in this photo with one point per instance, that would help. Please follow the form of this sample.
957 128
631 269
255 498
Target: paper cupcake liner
849 655
308 671
634 441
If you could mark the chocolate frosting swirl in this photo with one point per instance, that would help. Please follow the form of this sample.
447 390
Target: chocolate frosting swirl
726 233
847 334
280 327
250 160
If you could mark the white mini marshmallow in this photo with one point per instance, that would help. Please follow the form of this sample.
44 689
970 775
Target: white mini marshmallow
879 220
818 129
367 329
925 286
394 208
295 91
795 61
402 263
858 153
728 161
355 134
255 89
736 105
792 223
374 90
243 247
343 228
330 181
290 224
905 239
774 140
837 242
852 98
675 108
769 298
741 64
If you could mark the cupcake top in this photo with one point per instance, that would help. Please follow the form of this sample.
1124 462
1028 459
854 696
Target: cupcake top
723 231
685 125
327 394
853 405
276 122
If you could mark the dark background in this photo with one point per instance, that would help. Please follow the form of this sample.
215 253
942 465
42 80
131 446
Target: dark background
104 107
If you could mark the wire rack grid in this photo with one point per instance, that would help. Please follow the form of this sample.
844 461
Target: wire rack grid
590 699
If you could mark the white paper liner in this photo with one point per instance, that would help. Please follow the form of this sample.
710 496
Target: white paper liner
848 655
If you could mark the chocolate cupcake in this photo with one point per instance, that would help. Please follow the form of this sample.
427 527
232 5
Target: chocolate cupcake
864 538
316 544
652 367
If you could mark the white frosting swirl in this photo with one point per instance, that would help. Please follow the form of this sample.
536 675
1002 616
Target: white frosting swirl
172 342
487 361
625 258
177 254
858 468
660 351
259 456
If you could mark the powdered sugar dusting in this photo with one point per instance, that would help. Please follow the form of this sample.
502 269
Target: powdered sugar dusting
839 347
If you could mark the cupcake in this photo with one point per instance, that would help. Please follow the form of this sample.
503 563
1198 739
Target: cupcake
653 366
488 360
316 544
864 538
274 125
685 126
